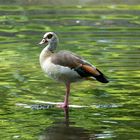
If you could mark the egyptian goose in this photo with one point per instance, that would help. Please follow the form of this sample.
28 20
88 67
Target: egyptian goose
65 66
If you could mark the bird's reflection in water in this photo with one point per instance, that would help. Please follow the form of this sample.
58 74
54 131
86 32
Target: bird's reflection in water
64 130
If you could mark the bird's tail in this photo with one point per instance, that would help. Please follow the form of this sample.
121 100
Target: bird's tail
101 78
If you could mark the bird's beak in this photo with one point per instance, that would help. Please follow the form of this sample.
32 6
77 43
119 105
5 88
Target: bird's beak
43 41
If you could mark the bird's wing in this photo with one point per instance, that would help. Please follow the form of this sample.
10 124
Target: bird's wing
75 62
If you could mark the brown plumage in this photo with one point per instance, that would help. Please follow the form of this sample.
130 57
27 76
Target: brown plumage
91 70
66 58
82 67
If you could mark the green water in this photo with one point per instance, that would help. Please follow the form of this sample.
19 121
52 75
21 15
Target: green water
107 35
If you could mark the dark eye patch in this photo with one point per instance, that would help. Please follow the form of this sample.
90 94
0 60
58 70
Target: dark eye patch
49 36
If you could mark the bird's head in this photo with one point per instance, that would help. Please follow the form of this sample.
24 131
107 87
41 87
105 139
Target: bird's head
49 37
51 40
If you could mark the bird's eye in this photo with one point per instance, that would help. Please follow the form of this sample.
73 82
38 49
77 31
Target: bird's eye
49 36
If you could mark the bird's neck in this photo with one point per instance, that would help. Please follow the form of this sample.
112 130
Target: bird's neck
45 54
52 46
48 51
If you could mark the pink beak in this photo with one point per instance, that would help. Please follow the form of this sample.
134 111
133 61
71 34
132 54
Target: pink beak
43 41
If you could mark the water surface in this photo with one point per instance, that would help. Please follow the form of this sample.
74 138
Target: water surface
106 35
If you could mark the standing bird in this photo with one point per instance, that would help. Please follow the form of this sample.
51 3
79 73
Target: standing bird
65 66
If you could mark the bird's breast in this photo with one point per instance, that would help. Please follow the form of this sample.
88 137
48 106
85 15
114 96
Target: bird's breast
58 72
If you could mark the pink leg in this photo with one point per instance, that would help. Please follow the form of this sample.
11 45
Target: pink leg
66 100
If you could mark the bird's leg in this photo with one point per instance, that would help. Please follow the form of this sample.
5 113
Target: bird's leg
66 100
